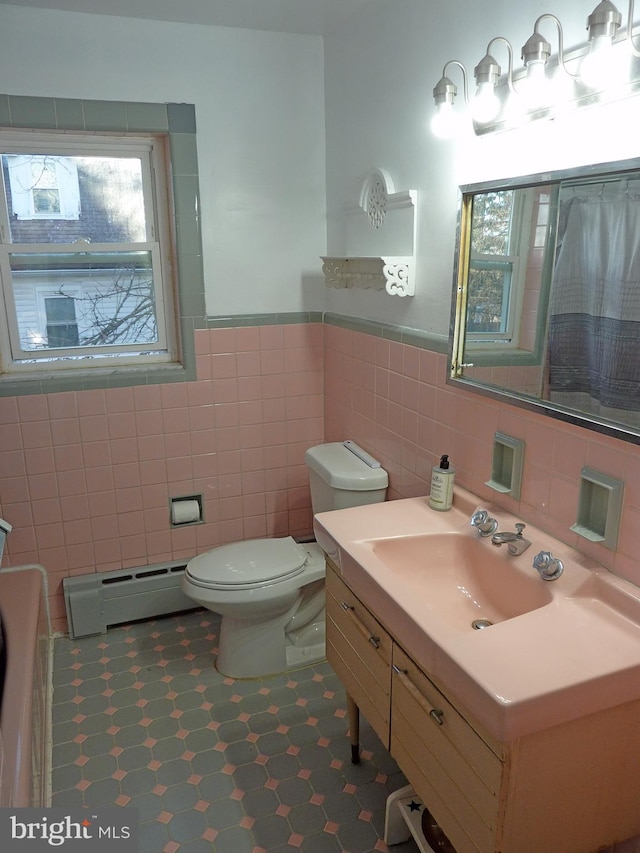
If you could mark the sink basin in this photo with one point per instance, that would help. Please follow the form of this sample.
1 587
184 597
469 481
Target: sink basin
467 583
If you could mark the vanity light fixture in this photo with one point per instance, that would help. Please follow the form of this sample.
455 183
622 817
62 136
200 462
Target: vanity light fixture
486 105
632 47
444 94
536 52
601 69
598 68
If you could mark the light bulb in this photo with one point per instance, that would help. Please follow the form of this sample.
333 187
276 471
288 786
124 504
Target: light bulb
604 67
485 106
534 89
444 123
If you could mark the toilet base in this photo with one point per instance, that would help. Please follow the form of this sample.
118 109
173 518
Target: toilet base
249 651
308 645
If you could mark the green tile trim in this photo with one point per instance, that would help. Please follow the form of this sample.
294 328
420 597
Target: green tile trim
390 331
278 319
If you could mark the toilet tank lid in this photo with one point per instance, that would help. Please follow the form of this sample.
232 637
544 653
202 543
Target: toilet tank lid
341 468
247 563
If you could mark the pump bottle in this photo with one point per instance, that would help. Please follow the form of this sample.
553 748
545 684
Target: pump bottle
442 477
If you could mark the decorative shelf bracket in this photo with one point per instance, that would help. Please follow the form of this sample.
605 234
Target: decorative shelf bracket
393 274
380 237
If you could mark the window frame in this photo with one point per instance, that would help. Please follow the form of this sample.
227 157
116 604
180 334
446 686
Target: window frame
508 338
176 124
151 152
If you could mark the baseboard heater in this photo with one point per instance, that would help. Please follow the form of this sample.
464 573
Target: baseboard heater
99 601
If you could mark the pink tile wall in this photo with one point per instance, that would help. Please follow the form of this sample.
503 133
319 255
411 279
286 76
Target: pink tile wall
85 477
393 400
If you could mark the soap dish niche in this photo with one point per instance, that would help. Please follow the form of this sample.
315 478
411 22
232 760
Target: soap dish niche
506 466
599 508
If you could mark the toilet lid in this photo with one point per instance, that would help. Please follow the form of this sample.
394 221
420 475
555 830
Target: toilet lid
242 565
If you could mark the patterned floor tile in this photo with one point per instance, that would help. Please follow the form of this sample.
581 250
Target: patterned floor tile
143 719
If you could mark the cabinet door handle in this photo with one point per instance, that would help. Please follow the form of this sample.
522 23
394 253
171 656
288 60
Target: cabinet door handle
366 633
436 714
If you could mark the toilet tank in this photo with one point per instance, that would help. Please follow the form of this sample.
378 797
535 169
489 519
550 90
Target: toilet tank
339 478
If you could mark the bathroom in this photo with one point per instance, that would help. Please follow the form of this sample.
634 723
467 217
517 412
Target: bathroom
287 127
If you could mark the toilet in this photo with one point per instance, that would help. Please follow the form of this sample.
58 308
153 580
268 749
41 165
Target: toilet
270 592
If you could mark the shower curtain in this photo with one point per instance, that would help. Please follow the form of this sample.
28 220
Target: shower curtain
594 324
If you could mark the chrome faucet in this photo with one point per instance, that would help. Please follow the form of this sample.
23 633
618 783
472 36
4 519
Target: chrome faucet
548 566
483 523
516 543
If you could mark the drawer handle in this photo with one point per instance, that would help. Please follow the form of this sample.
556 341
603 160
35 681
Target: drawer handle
436 714
369 637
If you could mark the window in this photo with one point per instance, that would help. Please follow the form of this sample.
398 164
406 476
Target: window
501 221
61 328
85 252
43 187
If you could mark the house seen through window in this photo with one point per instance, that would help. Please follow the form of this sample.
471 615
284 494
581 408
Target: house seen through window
84 257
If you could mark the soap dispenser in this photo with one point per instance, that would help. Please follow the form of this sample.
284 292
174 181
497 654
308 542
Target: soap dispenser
442 477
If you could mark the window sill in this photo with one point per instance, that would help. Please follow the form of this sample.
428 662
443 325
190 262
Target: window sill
39 382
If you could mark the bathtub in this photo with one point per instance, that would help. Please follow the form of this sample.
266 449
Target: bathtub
25 743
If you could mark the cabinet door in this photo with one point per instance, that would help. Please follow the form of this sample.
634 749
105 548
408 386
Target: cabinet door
453 770
359 650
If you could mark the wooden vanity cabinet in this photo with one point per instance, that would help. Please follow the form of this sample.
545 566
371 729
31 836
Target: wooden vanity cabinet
359 649
574 787
452 769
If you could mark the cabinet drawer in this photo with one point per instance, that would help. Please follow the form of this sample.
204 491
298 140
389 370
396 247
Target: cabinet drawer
448 763
359 650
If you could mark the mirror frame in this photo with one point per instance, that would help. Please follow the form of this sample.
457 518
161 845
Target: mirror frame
455 377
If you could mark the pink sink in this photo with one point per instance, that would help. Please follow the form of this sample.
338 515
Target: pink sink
557 650
466 582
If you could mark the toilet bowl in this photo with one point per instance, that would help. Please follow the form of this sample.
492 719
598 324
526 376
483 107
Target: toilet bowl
270 592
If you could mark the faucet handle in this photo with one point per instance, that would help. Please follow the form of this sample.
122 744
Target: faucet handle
548 566
484 524
519 528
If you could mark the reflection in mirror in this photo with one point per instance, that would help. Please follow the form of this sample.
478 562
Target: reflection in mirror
547 303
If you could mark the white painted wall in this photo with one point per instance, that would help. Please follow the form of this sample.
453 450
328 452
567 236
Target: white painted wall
263 109
260 113
380 71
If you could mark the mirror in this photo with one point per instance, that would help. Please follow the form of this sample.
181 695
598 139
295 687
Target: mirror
546 307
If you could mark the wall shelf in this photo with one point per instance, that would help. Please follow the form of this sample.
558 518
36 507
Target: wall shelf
380 238
395 274
599 508
506 467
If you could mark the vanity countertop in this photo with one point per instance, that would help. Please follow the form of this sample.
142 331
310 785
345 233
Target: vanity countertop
571 647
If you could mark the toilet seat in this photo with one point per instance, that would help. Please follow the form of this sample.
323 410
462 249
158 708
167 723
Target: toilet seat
248 565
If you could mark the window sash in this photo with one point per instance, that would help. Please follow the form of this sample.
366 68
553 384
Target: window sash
505 267
98 251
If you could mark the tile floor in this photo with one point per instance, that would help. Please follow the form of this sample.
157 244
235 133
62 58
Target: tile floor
142 718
